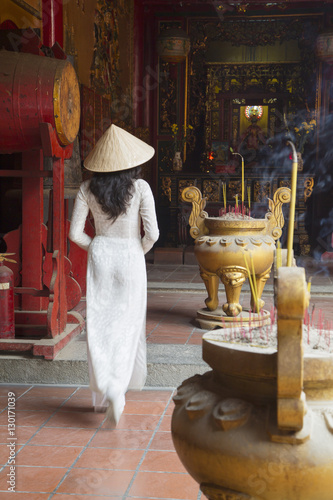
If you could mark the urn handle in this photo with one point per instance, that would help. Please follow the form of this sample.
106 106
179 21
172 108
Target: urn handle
292 299
275 215
197 218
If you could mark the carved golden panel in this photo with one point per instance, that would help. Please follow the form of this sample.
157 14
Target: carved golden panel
285 183
256 191
211 190
239 101
166 187
304 244
226 121
234 187
308 187
262 190
235 124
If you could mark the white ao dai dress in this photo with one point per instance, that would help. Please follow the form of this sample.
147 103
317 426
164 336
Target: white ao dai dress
116 292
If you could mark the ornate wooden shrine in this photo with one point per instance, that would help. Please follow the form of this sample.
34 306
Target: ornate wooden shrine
245 60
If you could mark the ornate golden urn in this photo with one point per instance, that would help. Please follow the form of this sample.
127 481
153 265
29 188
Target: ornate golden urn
230 248
259 425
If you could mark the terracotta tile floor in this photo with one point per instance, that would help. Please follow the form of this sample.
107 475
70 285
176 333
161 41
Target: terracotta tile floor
171 314
65 451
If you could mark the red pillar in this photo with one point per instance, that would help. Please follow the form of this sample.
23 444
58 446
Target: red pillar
32 218
138 38
59 237
52 22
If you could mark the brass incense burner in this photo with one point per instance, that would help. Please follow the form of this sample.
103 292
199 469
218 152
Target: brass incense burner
230 248
259 425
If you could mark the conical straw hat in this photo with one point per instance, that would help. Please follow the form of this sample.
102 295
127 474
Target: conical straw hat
117 150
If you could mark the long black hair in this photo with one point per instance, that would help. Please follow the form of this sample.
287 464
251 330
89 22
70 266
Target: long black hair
113 190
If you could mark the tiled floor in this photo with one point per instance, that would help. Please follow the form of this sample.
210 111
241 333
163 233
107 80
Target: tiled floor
171 314
65 451
171 317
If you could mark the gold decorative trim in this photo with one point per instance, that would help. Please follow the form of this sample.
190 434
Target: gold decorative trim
245 63
308 187
275 215
197 218
65 79
28 8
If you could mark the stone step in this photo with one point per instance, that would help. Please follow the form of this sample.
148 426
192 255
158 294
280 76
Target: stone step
168 365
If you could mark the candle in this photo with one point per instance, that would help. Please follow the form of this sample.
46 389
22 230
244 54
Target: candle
309 285
242 179
292 206
232 152
224 191
236 198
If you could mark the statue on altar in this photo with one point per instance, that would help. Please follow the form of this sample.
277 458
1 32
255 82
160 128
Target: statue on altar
253 138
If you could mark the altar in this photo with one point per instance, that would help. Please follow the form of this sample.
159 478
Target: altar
174 213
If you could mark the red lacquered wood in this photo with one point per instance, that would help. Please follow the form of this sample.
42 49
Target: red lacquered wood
52 17
7 326
79 257
21 173
13 241
33 90
59 237
32 217
57 309
138 36
73 289
26 99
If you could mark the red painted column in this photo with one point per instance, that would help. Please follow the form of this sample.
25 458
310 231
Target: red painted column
59 240
32 218
138 38
151 77
52 18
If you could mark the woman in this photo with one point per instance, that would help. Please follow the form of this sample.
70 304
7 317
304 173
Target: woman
116 273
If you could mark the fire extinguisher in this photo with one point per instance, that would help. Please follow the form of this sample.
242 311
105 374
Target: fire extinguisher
7 324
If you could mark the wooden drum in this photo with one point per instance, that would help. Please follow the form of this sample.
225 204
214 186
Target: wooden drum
36 89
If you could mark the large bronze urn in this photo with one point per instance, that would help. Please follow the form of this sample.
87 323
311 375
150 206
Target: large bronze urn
230 248
259 425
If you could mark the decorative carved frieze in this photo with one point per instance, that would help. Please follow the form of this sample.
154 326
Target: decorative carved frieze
308 187
262 190
166 187
211 190
234 187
